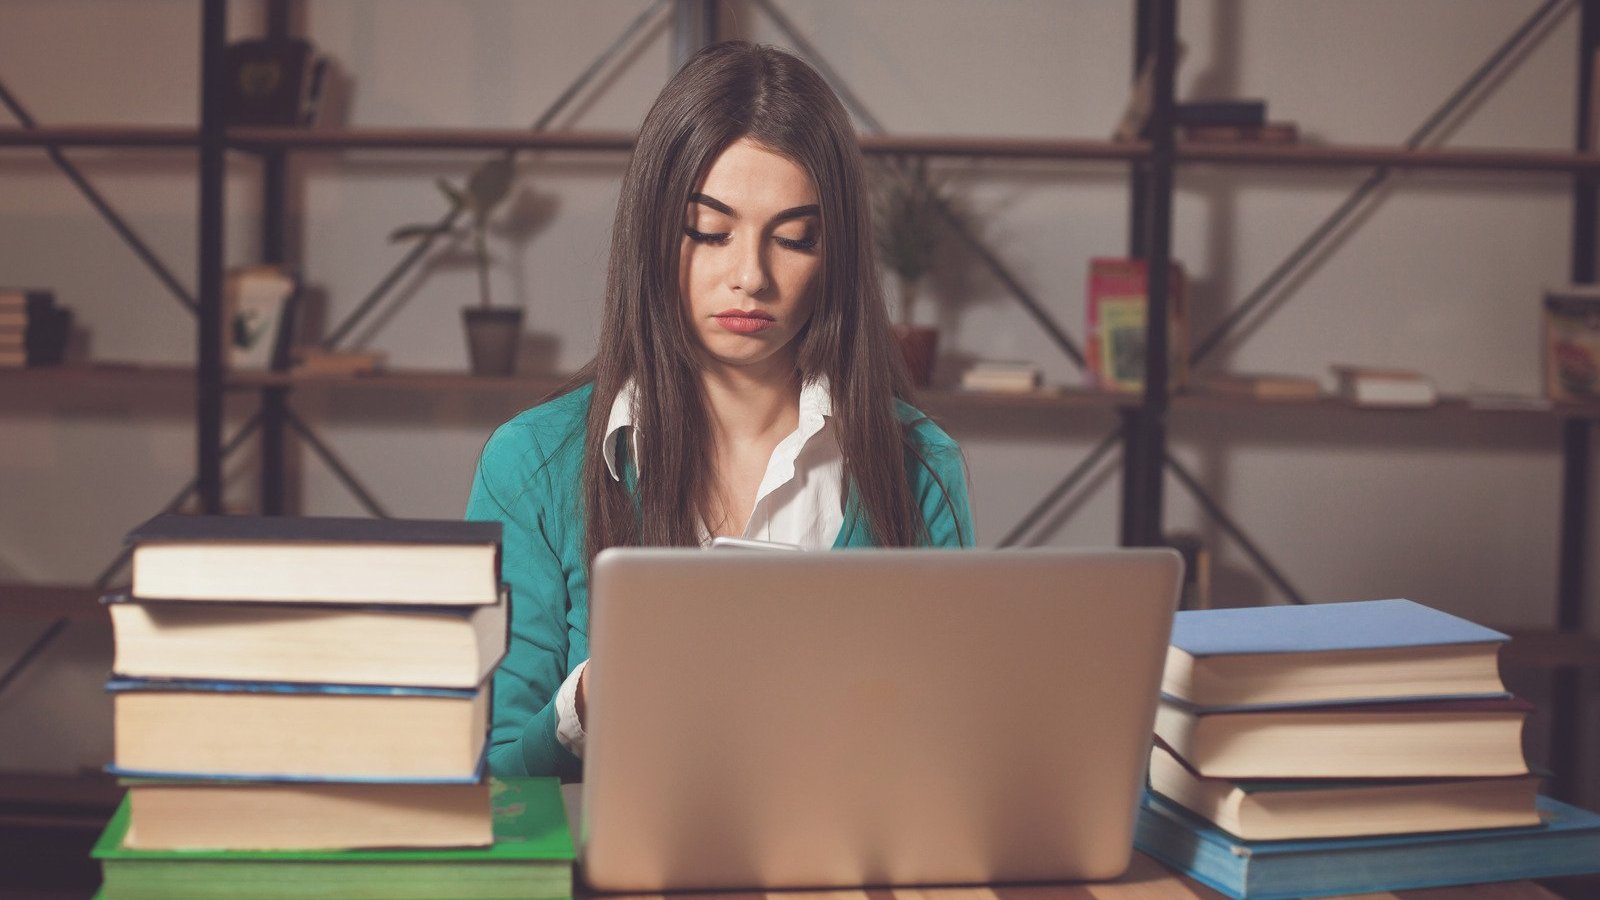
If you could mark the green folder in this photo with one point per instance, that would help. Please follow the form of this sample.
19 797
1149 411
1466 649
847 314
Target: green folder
531 857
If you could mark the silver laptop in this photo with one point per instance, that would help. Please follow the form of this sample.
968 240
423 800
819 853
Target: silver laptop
762 719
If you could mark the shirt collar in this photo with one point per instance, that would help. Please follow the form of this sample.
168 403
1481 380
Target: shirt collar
816 404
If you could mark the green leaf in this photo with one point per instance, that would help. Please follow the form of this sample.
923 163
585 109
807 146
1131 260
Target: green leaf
412 232
457 198
489 184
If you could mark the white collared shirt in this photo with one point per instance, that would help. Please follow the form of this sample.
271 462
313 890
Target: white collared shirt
799 501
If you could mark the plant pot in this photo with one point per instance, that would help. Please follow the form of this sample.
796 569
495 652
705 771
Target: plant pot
918 345
493 335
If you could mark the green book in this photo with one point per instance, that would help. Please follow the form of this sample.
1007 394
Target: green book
531 857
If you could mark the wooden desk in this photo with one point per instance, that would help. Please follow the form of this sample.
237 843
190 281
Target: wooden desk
1146 879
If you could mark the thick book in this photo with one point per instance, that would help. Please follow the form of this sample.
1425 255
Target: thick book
417 646
316 560
531 857
1370 386
1283 810
1118 300
1362 650
265 731
246 815
1566 842
1399 739
1237 113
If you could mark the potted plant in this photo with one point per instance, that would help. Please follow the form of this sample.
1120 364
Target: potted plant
493 332
910 225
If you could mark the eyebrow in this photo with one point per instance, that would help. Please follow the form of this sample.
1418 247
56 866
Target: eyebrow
793 212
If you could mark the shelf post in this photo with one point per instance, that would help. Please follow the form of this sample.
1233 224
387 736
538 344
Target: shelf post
208 370
1567 708
694 25
275 251
1143 461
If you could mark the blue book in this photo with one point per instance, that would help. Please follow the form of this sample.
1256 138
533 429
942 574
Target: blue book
1368 650
1567 843
280 731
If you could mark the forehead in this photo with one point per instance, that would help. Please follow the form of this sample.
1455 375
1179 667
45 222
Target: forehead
755 181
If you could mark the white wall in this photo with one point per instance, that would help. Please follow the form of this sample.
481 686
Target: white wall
1444 274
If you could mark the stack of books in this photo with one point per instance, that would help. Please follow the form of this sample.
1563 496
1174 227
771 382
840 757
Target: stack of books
1347 747
32 328
300 698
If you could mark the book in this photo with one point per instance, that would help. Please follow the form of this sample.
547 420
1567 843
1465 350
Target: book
1566 842
1265 133
1371 386
1423 739
1237 113
1278 810
248 730
204 815
1261 386
316 361
296 559
1118 296
1002 377
268 80
1320 652
418 646
1572 343
531 857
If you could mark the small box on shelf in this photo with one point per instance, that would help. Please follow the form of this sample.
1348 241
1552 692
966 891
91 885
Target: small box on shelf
1572 343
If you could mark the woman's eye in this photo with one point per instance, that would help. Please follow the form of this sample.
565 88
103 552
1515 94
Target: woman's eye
809 242
701 237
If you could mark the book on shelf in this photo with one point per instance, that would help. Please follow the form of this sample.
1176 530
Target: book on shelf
1571 347
1260 386
1117 312
1320 652
1565 842
1265 133
242 815
420 646
1002 377
34 331
1375 386
1266 810
531 857
317 361
1392 739
1237 113
316 560
264 731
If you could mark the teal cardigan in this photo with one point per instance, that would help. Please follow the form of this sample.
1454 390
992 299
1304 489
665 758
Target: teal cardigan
529 479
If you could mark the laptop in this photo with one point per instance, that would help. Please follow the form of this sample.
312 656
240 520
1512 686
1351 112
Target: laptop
761 719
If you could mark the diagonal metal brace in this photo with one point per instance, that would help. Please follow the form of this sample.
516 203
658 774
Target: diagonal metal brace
959 228
1214 510
339 469
1338 217
98 201
1066 485
425 243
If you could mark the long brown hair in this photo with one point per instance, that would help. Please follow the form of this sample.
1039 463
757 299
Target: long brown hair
726 92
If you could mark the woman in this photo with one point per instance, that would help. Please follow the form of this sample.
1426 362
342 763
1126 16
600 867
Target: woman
746 382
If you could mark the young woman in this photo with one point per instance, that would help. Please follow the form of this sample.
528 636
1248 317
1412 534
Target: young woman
746 382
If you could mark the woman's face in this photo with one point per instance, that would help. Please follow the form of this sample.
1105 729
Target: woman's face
750 256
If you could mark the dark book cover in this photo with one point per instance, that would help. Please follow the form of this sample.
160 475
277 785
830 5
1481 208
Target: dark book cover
172 527
1222 112
268 80
1399 706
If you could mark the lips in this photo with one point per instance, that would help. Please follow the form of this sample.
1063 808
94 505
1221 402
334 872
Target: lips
745 321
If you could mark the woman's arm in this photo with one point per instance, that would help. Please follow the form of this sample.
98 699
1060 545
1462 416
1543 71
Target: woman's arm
511 488
941 495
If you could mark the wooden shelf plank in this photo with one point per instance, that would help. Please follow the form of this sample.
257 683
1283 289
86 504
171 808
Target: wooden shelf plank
1303 155
389 138
51 601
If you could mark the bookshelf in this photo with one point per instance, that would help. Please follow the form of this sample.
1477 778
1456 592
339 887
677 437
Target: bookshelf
1151 164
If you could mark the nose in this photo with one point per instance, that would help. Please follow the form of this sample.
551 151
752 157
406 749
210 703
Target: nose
749 268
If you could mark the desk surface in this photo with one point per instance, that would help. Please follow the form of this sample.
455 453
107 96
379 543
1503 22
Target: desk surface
1146 879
